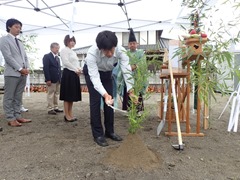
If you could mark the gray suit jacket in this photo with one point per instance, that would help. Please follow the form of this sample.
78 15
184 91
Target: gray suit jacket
14 59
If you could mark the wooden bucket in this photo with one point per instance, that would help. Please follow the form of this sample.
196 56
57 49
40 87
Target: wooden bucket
194 45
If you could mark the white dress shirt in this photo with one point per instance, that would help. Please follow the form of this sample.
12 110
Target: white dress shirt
96 61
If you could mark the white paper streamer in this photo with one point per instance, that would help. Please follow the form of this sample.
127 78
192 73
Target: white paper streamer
234 116
74 12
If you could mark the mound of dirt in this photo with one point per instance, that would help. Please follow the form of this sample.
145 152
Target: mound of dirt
133 154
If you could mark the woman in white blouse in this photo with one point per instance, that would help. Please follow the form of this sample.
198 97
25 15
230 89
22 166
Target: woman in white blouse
70 90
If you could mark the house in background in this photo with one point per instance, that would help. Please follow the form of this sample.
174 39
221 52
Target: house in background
148 41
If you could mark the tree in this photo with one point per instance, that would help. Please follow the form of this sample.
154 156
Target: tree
29 45
210 77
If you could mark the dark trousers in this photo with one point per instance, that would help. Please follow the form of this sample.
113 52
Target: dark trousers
95 101
127 100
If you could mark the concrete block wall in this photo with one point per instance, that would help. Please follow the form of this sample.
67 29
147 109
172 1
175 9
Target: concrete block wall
37 78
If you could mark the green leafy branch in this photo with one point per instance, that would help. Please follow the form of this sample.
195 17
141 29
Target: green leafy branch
140 76
211 77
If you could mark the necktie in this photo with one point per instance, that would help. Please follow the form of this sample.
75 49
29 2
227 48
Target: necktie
17 44
58 64
19 49
57 58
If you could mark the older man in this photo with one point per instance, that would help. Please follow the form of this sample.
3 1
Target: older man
52 73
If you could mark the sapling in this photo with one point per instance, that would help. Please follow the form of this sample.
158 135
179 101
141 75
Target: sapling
141 79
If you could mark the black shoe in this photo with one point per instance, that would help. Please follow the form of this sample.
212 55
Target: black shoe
76 119
1 129
113 136
69 120
101 141
58 110
52 112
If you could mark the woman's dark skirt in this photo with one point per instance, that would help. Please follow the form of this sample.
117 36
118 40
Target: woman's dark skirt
70 89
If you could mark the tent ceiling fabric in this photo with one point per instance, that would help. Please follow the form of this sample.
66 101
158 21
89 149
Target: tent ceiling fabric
55 16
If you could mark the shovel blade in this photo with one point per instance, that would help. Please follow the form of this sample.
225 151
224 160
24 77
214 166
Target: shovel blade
162 123
160 127
178 147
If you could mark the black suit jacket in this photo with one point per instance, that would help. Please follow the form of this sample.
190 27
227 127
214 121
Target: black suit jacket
51 68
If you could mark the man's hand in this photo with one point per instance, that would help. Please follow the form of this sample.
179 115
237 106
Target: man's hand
48 83
133 97
78 72
108 99
24 72
133 66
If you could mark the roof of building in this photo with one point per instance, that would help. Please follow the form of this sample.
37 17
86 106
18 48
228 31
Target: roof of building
84 50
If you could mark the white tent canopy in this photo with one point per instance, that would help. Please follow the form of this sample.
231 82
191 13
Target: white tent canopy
51 20
46 17
60 16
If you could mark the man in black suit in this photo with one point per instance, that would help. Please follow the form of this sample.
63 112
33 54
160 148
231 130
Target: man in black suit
52 73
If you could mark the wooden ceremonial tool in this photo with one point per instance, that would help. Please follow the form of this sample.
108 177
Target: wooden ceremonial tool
180 144
206 117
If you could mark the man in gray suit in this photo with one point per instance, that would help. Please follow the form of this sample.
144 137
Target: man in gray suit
15 73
